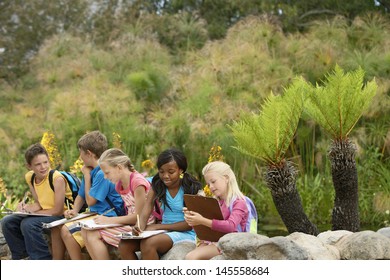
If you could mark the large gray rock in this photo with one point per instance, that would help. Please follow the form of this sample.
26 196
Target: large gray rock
317 249
179 251
5 253
297 246
384 231
332 237
249 246
239 246
364 245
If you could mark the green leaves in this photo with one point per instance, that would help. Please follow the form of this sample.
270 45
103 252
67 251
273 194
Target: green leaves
339 103
268 135
336 105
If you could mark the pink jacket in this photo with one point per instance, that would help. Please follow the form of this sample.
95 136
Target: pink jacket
239 215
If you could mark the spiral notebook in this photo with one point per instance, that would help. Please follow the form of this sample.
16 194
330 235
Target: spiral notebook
209 208
144 234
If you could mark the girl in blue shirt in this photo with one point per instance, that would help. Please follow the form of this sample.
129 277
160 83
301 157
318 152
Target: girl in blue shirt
168 187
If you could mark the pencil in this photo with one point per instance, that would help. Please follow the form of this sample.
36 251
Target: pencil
108 211
24 200
67 204
138 221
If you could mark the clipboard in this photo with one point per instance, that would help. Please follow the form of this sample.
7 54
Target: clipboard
65 220
209 208
144 234
89 224
20 213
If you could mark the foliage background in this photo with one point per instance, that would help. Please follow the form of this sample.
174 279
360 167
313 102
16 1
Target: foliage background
173 78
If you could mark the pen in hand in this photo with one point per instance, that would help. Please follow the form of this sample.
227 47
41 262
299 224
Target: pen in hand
136 230
24 201
108 211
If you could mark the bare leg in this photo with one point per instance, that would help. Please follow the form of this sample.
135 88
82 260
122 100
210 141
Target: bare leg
71 244
153 247
127 249
57 245
203 252
96 247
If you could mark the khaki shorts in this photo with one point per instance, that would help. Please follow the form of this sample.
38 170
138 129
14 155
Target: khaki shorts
75 230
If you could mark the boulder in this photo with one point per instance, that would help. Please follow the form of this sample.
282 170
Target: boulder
249 246
329 245
5 253
179 251
364 245
332 237
384 231
315 247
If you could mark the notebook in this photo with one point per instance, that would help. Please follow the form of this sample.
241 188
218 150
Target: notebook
144 234
209 208
65 220
91 225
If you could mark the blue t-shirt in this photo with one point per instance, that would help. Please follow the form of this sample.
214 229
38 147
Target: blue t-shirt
100 189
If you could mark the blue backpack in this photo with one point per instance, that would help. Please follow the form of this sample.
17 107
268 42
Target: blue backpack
251 222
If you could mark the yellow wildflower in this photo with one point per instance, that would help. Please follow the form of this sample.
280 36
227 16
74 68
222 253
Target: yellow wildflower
49 142
3 187
76 167
207 191
147 164
117 143
214 155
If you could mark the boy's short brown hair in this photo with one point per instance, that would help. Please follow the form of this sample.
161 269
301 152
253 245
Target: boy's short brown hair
95 142
33 151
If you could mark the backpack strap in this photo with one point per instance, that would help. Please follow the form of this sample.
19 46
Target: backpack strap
131 183
32 180
50 179
118 213
157 213
51 174
112 206
239 228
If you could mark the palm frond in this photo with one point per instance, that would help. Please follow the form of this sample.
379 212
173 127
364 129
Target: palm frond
339 103
268 135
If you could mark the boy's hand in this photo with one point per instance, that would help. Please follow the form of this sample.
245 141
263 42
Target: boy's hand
86 170
20 207
69 214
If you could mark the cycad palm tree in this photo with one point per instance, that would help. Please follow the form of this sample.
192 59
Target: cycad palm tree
267 136
336 106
